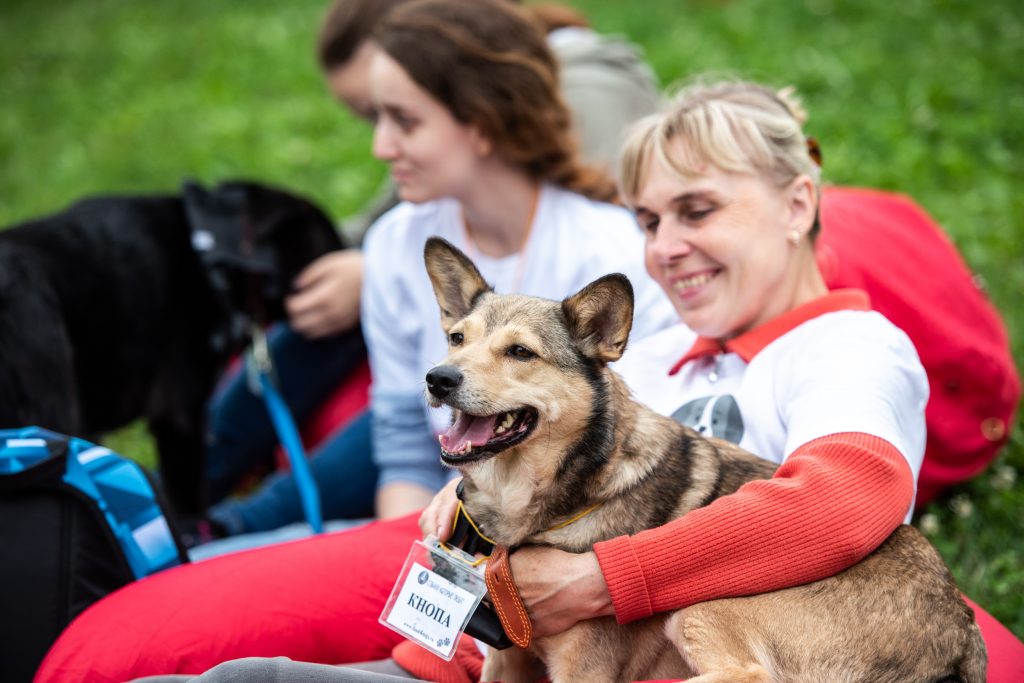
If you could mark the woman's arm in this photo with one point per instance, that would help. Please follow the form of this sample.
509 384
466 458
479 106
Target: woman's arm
828 506
404 447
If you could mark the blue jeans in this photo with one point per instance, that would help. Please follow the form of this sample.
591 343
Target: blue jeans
241 436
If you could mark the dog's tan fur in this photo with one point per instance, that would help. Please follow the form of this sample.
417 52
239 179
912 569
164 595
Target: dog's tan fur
895 616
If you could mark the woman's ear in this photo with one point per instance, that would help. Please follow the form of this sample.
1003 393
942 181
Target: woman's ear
482 144
803 204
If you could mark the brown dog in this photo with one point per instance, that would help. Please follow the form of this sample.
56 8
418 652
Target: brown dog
543 430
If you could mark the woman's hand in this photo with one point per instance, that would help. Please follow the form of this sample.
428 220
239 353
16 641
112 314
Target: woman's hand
439 517
401 498
559 588
326 300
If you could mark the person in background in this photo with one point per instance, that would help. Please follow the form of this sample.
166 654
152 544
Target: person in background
605 83
603 79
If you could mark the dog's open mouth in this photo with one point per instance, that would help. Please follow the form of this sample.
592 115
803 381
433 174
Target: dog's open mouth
475 437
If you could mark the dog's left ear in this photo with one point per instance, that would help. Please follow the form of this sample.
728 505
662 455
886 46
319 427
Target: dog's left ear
600 317
456 281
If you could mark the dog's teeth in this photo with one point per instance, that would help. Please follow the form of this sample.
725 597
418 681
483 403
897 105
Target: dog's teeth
507 422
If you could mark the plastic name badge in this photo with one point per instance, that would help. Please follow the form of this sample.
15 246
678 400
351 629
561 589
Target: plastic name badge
435 595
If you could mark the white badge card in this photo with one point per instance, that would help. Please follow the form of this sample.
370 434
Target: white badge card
434 597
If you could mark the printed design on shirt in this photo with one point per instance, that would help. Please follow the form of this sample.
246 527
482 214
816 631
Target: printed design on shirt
717 416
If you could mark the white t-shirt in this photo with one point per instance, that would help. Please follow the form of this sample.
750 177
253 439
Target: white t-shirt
836 371
573 241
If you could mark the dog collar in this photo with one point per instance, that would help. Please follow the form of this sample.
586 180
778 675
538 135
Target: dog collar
503 603
466 533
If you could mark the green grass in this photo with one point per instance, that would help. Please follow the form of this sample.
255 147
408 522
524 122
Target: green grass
921 97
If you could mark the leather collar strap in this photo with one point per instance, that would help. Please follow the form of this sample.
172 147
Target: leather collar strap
505 597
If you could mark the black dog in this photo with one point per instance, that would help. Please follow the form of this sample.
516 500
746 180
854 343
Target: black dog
125 307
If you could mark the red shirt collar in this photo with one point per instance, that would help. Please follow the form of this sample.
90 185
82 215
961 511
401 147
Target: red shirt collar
749 344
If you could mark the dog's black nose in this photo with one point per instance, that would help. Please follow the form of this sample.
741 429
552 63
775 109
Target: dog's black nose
442 379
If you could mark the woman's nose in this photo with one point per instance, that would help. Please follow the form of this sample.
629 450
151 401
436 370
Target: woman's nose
669 243
384 147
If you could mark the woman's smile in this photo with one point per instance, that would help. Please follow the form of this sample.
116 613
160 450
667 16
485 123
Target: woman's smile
691 285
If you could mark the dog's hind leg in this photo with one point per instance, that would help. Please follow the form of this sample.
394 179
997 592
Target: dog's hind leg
752 673
716 645
176 416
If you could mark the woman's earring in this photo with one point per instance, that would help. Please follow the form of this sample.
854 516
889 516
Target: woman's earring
794 237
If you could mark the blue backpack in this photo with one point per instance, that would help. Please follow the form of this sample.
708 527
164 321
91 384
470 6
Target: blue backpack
77 521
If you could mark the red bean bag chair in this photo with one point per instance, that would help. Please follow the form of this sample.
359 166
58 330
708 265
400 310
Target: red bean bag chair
314 600
887 245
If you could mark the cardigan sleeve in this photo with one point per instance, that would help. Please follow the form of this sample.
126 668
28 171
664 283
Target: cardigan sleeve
832 502
394 326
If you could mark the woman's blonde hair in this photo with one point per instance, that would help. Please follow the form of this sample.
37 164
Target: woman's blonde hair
736 126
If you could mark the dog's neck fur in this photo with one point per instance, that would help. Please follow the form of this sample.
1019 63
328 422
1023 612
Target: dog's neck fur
611 465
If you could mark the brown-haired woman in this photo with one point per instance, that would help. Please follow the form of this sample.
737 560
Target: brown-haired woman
478 138
470 118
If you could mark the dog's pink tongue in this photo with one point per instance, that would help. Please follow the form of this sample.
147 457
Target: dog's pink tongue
468 428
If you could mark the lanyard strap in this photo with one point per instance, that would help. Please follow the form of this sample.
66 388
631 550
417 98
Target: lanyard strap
467 535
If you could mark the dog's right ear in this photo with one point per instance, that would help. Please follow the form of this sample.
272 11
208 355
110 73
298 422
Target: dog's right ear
457 283
600 316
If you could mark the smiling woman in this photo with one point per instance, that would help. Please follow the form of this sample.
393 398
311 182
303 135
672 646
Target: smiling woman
479 144
726 191
431 154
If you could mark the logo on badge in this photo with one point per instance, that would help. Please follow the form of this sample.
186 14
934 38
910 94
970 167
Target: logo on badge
423 576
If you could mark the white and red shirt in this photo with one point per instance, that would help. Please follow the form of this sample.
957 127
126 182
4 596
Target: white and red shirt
833 392
829 367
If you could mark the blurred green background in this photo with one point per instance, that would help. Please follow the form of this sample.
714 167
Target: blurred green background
923 97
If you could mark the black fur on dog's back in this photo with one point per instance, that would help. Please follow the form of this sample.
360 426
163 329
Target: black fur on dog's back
107 315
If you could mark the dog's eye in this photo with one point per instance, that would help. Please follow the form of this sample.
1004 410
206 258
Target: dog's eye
455 338
520 352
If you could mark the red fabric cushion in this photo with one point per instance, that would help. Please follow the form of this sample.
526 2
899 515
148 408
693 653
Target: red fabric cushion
887 245
1005 651
314 600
